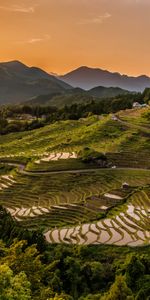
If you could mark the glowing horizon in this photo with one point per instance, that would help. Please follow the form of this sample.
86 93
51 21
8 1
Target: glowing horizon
62 35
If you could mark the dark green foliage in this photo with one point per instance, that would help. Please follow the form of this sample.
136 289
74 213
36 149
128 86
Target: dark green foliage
73 272
134 271
14 230
143 286
5 168
28 117
88 155
146 95
119 290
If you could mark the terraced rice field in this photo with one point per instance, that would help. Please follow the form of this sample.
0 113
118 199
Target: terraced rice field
6 181
130 227
130 159
56 156
56 161
81 208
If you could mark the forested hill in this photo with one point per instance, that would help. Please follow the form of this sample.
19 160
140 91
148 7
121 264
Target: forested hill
77 95
19 82
27 117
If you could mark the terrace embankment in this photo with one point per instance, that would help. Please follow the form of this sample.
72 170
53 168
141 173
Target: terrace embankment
81 206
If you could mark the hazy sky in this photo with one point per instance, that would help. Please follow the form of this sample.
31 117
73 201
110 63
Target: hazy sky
60 35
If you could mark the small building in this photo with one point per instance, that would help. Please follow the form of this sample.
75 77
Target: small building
136 105
125 185
144 105
114 118
25 117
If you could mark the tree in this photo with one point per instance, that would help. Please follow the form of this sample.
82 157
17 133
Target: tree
27 259
61 297
94 275
89 155
91 297
13 287
135 269
143 288
146 95
73 275
119 290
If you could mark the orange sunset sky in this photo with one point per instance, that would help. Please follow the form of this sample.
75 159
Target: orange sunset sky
60 35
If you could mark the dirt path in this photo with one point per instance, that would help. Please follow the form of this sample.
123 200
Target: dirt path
142 128
21 169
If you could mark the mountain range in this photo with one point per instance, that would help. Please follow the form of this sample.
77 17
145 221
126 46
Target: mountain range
87 78
19 82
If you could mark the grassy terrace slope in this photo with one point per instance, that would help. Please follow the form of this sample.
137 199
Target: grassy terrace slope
100 133
135 117
79 207
66 136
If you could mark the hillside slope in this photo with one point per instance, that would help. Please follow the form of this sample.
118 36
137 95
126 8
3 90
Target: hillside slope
19 82
103 92
76 95
101 133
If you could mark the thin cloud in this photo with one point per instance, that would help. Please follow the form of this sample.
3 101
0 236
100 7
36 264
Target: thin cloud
96 20
46 37
18 8
134 2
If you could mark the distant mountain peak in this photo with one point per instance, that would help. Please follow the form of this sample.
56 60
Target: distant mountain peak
87 78
19 82
14 63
